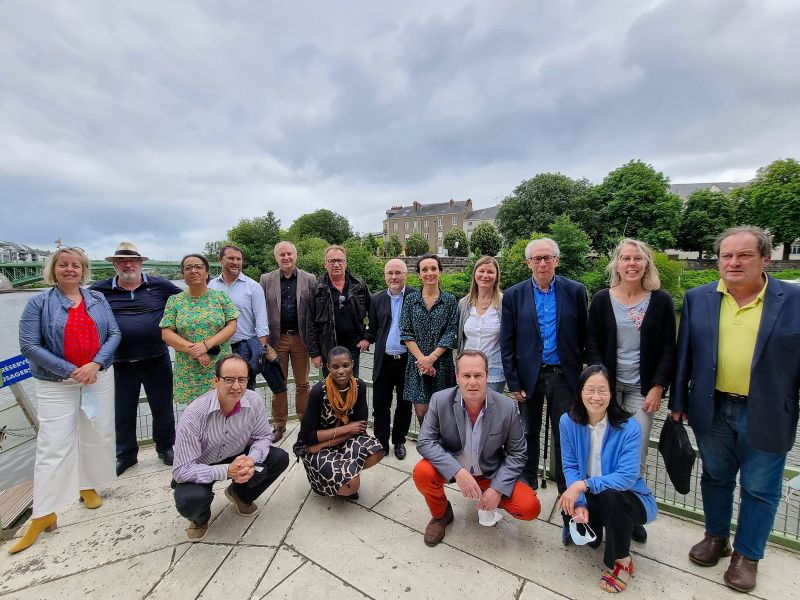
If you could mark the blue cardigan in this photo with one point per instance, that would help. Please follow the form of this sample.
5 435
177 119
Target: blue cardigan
619 460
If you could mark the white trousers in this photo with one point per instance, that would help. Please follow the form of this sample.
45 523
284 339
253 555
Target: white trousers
73 452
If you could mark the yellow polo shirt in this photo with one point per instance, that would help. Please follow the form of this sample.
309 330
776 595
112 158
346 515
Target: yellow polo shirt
738 329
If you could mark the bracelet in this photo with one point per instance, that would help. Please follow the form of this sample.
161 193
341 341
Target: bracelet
205 345
335 432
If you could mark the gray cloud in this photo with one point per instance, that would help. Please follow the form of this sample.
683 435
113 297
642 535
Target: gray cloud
168 122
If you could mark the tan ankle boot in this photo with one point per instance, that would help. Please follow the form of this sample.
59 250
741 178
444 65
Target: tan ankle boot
91 499
37 526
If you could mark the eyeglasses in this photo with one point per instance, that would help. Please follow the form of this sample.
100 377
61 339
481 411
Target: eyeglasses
341 301
633 259
602 392
242 381
335 261
190 268
537 259
122 261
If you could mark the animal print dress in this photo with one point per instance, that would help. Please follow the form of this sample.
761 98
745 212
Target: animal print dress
330 468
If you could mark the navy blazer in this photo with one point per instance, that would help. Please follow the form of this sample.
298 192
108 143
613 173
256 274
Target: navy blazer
772 404
380 321
520 339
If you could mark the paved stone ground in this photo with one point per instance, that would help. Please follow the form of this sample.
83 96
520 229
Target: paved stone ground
305 546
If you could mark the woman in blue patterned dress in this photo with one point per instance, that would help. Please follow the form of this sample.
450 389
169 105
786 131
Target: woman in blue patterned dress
428 325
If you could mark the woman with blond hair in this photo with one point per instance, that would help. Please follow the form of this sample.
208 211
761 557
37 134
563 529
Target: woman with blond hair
479 318
631 331
69 335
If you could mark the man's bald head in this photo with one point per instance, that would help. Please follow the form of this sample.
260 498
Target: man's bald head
395 273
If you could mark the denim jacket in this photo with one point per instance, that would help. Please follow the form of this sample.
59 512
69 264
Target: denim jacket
41 332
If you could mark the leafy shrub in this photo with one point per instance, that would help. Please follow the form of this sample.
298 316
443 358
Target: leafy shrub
790 274
693 279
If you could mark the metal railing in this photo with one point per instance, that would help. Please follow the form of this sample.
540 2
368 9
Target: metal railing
785 531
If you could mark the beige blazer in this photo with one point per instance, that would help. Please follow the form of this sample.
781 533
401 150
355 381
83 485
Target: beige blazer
271 283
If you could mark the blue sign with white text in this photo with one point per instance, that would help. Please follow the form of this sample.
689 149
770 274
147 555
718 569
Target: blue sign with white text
14 370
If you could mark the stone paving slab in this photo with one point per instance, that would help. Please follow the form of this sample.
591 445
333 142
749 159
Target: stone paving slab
302 545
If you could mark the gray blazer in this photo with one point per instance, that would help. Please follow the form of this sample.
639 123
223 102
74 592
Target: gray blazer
503 449
271 283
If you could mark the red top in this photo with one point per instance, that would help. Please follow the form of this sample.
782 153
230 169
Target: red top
81 341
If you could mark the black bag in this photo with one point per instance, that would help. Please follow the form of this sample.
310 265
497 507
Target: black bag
679 456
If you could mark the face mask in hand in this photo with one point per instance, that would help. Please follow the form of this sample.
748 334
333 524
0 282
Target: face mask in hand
578 538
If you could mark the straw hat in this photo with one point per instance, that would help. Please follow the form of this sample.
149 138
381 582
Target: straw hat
126 250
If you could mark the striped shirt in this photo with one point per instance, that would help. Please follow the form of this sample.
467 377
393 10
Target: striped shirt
205 436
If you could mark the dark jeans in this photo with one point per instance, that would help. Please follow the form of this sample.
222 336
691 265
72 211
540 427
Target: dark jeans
251 375
356 354
552 385
616 512
193 500
725 449
391 377
155 374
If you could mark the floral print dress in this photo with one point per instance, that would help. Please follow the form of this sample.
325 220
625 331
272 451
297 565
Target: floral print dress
196 319
430 329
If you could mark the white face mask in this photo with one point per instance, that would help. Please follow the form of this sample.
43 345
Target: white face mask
579 539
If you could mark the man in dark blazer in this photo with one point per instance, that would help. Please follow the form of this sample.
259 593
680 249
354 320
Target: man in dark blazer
389 366
287 290
737 380
472 435
542 339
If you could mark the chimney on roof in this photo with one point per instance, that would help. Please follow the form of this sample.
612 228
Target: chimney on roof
416 206
452 202
468 206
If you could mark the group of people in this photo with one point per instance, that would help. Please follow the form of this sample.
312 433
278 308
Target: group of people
734 373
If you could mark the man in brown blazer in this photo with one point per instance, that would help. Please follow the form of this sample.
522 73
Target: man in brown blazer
287 290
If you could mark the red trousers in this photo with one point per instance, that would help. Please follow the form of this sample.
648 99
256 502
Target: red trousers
523 503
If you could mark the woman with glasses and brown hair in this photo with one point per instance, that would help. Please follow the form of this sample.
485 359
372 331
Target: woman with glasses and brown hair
198 323
69 335
631 331
479 318
428 324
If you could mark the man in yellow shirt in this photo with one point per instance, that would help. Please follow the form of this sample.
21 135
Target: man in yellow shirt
737 378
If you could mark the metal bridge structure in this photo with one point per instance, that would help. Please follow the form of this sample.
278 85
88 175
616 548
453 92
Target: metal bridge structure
25 273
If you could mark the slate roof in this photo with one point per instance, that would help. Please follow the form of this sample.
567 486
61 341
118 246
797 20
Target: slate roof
483 214
427 210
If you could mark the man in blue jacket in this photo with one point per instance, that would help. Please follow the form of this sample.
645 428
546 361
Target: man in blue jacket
737 380
543 335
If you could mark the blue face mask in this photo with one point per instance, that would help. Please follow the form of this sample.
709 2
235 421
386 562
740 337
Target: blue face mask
579 539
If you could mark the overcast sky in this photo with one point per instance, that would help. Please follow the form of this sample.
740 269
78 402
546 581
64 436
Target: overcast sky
165 122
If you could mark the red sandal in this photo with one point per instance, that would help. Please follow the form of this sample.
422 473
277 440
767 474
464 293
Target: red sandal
613 580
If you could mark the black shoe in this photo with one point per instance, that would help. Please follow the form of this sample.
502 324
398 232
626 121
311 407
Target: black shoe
385 448
639 534
123 464
400 451
167 456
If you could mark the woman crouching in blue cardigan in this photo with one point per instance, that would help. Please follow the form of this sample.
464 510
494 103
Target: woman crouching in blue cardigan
600 453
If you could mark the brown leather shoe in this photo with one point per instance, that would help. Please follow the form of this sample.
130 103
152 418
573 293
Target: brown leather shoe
434 532
708 551
246 509
196 532
277 433
741 573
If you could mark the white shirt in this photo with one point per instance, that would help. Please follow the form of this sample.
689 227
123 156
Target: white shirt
483 333
596 433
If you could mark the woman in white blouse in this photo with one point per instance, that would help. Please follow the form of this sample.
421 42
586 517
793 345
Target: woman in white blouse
479 318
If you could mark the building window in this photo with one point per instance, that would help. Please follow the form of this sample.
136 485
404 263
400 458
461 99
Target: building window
455 220
406 237
469 224
439 222
426 236
426 223
394 226
440 235
795 249
406 225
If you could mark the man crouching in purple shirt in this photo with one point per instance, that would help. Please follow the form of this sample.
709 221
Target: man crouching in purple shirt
224 434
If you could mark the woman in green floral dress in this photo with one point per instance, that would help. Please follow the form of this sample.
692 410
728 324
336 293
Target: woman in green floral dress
198 324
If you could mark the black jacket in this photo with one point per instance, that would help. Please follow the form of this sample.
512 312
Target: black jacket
657 338
320 319
380 321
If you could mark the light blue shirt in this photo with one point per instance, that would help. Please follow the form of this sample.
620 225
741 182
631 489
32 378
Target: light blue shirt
471 453
249 298
546 314
393 345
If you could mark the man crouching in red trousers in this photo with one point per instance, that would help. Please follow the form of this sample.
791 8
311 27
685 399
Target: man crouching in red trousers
473 436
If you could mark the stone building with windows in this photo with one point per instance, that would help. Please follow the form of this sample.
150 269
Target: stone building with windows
433 221
13 252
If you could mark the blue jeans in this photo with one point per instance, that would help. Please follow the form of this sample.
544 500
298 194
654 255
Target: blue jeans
725 449
497 386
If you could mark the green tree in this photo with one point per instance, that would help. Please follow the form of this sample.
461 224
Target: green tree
745 214
513 267
669 272
535 203
364 265
707 214
211 249
257 238
635 203
485 240
775 200
416 245
456 243
573 244
322 223
311 255
393 247
370 243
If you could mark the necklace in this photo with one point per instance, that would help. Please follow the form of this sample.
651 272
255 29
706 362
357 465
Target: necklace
485 306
